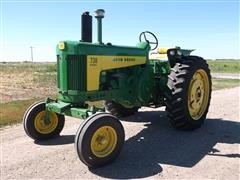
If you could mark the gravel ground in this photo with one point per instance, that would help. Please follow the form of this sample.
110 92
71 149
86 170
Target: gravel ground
153 149
225 75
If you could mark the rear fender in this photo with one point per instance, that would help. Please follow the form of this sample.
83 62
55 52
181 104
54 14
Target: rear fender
176 54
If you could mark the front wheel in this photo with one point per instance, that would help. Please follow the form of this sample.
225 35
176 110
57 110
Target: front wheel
188 93
99 139
41 124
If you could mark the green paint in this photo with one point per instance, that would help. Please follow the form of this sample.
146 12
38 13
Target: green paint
139 85
99 24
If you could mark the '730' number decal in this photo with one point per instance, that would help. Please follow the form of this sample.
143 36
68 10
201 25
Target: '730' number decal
93 61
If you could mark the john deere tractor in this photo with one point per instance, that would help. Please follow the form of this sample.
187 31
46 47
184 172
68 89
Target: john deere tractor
126 78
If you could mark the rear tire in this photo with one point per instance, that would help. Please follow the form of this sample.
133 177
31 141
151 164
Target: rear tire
35 126
118 110
188 93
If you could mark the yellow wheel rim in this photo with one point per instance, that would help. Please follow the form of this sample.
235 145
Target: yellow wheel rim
43 126
103 141
198 94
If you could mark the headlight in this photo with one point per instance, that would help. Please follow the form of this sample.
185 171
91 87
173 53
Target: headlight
179 52
61 45
172 53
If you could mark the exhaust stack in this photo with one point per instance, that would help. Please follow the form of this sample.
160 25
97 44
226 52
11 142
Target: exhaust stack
86 27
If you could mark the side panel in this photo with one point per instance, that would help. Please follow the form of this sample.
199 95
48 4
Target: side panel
98 63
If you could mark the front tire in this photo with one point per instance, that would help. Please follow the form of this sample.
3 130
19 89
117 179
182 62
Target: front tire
99 139
37 126
188 93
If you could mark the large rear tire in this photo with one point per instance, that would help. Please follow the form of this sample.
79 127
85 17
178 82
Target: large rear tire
188 93
118 110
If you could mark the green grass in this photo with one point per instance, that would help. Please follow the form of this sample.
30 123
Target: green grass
224 83
46 67
12 112
224 66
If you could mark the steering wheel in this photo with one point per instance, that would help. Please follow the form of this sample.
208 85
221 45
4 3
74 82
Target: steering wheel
154 42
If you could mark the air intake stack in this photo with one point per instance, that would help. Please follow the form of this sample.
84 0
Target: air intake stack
99 14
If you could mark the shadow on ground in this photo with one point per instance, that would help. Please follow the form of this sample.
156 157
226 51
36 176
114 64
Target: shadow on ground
158 143
58 140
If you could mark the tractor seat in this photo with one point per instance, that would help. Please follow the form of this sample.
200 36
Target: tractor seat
160 54
162 50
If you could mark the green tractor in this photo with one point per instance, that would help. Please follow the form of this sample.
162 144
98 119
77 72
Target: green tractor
126 79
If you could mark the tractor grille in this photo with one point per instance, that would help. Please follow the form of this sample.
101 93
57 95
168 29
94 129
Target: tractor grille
71 72
58 71
76 72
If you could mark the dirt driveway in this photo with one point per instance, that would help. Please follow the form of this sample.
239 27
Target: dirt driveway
225 75
152 148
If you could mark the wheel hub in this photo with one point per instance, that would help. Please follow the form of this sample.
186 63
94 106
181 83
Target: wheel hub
198 94
45 124
104 141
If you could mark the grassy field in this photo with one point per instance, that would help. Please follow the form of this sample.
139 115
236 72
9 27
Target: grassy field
28 67
41 72
224 83
24 83
27 80
224 66
12 112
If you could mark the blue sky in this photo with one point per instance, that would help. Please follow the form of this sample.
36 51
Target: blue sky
211 27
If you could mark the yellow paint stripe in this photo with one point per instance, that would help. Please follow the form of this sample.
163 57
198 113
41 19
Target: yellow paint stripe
96 64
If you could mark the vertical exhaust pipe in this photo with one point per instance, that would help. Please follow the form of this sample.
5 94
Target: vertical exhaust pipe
86 27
